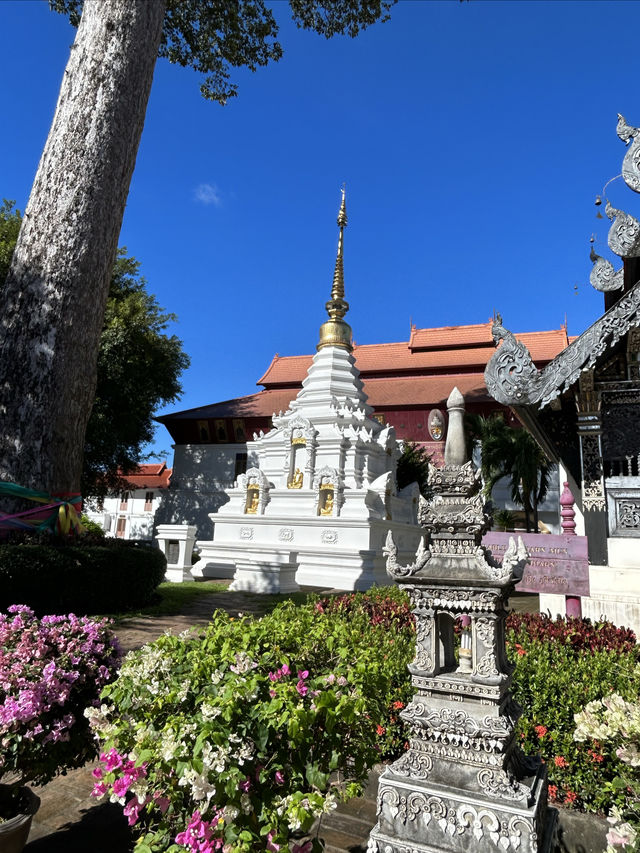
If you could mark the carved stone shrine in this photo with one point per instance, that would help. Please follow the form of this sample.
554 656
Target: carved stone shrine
463 783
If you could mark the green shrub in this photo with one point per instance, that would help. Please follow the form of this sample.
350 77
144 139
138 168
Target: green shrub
249 731
92 527
79 578
561 665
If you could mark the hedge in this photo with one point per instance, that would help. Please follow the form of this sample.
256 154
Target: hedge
80 578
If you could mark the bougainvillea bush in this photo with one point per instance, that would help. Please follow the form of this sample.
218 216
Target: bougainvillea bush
388 609
50 670
240 738
561 665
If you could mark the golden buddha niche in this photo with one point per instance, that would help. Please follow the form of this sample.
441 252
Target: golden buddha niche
253 499
326 499
296 480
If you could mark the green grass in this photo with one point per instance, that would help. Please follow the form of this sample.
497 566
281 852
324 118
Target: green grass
172 598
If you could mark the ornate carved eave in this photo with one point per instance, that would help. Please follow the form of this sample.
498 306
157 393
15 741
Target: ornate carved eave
512 378
631 162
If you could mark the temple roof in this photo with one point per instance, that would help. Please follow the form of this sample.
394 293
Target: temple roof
394 375
385 392
149 476
448 349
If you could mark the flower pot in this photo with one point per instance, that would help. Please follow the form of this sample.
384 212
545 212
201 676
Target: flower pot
15 831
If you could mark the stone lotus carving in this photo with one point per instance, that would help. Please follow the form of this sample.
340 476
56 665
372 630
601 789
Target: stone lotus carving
415 764
603 276
456 721
451 820
512 378
454 479
631 162
624 234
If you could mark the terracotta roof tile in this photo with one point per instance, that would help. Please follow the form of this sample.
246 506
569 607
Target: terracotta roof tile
474 347
451 336
149 476
382 392
424 390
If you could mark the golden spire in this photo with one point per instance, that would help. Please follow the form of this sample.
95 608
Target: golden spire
335 332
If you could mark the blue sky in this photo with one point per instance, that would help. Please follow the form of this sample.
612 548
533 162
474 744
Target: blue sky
473 138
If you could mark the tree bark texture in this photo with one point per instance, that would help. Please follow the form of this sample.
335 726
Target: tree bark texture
58 283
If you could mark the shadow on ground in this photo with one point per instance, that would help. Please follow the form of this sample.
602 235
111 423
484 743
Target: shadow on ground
100 829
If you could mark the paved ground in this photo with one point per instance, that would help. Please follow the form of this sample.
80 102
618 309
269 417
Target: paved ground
69 821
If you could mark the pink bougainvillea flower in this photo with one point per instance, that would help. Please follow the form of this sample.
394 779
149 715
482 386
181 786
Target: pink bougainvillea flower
271 845
540 731
560 761
99 789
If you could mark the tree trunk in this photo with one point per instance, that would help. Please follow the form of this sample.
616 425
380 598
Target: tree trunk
57 286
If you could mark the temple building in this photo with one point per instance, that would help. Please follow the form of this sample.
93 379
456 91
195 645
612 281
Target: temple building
583 407
130 514
320 495
406 383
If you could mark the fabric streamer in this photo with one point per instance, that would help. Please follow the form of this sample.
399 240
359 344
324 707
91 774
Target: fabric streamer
58 514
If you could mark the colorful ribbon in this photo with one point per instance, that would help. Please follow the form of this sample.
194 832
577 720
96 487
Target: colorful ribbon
58 515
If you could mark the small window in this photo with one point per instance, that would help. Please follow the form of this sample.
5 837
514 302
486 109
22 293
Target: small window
122 522
124 500
241 464
148 502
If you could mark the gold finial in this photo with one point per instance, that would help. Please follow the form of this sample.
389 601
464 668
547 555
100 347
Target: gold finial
335 332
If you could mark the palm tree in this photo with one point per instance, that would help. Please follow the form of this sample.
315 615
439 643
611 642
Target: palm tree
513 453
413 467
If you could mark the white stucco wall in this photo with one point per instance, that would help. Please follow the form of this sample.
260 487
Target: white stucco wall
138 522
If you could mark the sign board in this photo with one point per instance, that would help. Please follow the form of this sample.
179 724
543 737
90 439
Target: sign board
557 563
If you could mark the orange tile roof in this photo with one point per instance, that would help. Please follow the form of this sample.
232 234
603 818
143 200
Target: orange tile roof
149 476
382 393
448 349
451 336
424 390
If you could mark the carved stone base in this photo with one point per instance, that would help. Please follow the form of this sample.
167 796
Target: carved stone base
415 816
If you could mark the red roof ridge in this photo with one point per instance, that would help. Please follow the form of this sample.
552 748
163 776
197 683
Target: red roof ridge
154 475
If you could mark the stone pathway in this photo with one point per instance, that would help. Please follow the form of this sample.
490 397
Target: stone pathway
70 821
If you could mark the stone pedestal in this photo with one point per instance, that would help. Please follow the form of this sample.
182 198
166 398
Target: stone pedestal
176 541
273 573
464 783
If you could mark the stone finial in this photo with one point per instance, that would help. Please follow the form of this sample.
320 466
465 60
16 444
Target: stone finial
455 450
